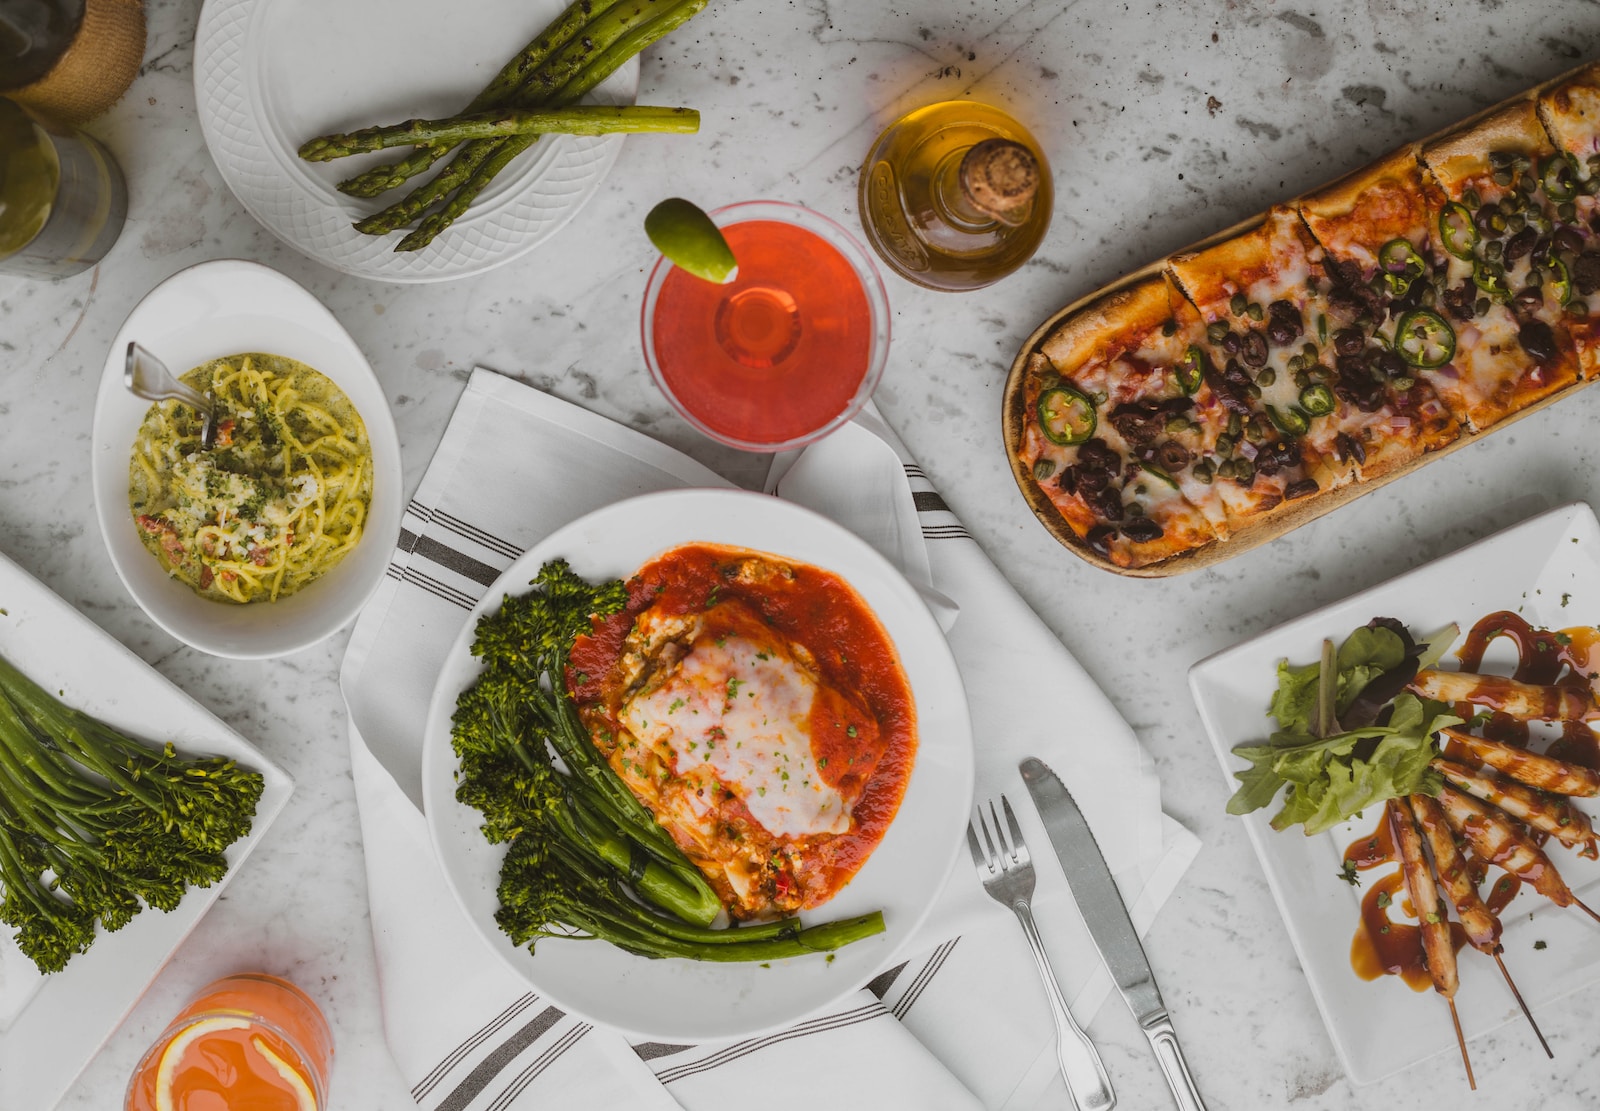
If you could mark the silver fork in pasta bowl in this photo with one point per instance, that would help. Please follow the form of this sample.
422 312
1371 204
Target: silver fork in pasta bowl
1006 869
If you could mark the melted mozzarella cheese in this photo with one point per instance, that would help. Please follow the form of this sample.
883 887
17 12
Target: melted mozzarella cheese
743 711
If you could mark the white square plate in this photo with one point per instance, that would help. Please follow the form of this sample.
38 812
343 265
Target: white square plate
51 1026
1548 570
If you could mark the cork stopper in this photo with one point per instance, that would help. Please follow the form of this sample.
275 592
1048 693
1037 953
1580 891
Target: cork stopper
999 178
98 66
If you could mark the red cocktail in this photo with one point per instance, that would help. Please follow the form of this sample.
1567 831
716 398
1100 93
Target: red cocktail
786 352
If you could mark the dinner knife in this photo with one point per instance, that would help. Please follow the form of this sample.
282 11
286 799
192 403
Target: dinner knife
1106 916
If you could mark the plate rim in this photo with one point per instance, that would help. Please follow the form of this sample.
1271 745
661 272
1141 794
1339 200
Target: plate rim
432 740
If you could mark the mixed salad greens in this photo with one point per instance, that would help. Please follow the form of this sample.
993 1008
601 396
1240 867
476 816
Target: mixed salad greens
1349 733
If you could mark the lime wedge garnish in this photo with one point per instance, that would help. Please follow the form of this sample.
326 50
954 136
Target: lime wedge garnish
686 235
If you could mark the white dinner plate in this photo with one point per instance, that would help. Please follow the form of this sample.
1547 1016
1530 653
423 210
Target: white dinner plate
50 1026
215 309
270 74
1548 570
691 1001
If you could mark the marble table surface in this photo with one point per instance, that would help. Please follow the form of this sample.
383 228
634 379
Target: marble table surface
1163 120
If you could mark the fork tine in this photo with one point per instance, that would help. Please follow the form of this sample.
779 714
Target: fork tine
1000 833
1019 846
978 858
989 839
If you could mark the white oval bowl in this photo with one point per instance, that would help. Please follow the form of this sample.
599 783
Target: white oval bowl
695 1001
215 309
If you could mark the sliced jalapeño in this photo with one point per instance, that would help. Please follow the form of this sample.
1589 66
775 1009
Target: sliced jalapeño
1424 338
1066 416
1456 230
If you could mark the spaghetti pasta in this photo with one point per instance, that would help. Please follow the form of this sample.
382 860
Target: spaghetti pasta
280 499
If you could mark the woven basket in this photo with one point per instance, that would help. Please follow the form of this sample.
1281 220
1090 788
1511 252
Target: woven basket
96 68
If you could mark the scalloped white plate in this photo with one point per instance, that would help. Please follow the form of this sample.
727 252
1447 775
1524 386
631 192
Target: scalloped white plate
269 76
696 1001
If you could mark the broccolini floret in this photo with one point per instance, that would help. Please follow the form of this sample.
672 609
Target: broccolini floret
584 857
95 825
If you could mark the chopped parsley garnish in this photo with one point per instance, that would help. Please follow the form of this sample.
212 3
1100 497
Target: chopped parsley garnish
1349 874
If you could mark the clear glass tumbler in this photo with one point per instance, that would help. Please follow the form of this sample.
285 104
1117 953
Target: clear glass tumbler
62 197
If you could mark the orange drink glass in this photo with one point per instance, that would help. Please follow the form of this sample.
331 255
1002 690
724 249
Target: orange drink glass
247 1041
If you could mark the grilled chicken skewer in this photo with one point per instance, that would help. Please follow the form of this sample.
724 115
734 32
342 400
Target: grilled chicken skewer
1555 816
1438 948
1544 772
1494 838
1481 924
1527 701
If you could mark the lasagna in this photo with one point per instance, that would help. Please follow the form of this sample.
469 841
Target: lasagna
758 709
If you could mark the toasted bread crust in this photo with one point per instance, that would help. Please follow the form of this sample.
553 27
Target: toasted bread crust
1459 157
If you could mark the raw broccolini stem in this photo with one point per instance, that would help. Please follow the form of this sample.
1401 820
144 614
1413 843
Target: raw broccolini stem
607 60
588 119
497 94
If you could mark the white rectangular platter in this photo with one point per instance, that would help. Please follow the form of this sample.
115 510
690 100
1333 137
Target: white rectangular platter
50 1027
1548 570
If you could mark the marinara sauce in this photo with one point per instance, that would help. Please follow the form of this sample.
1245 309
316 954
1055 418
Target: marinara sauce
853 654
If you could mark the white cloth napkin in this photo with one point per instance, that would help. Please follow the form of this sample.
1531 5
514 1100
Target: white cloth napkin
962 1024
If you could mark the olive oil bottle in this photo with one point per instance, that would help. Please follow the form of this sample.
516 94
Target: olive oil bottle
62 198
955 195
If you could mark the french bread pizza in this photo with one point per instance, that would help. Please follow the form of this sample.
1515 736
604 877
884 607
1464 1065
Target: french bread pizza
1229 393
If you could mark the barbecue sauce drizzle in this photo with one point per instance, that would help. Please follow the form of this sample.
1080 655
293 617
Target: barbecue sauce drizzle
1571 657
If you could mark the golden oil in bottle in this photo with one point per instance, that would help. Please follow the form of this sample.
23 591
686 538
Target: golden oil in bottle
955 195
62 197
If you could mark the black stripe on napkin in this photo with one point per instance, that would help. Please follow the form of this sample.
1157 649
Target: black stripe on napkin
408 540
491 1066
928 501
651 1051
417 509
434 586
459 562
924 978
473 1041
543 1061
734 1052
884 980
913 471
945 532
477 535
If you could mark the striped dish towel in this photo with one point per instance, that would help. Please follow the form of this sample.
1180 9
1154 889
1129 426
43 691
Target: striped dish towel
961 1025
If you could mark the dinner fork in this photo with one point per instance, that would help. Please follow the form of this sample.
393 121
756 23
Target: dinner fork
1008 876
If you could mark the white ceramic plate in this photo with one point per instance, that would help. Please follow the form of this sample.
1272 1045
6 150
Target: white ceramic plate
51 1026
1548 570
270 75
678 1000
208 311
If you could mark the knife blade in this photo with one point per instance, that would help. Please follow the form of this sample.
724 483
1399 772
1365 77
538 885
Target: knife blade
1106 916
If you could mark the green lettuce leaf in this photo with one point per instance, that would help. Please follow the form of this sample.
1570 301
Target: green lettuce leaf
1327 780
1295 700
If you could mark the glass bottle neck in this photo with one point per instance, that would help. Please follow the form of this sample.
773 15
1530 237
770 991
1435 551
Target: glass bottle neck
954 207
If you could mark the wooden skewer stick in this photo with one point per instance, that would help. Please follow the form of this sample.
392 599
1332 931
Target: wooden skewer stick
1587 910
1517 995
1462 1042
